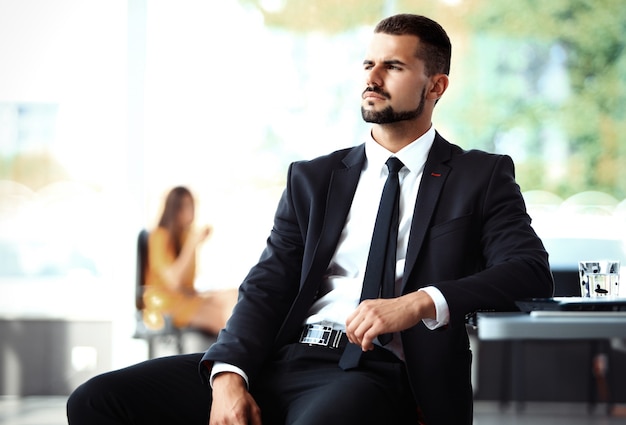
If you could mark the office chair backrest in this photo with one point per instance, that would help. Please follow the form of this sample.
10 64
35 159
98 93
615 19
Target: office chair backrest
566 283
142 265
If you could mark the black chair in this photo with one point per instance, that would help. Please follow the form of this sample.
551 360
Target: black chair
566 282
168 333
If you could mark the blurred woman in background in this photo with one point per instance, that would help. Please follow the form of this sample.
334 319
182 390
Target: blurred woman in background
171 271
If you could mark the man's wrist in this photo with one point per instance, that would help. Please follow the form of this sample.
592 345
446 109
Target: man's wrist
441 308
220 367
227 378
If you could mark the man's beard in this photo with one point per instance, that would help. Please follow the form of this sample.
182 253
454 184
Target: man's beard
389 116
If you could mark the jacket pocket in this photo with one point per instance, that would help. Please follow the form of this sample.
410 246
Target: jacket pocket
454 225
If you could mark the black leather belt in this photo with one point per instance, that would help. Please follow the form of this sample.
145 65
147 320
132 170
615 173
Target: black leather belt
323 335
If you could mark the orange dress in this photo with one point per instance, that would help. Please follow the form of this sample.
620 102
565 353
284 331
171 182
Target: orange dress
159 298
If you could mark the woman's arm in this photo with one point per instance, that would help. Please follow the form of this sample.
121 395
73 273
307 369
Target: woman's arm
171 269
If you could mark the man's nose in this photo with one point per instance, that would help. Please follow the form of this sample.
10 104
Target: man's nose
373 77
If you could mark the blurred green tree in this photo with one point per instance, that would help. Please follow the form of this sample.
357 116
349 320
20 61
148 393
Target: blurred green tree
543 81
560 68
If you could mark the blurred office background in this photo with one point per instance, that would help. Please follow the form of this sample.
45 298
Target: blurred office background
106 104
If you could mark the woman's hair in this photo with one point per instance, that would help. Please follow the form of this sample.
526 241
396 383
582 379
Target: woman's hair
169 218
435 47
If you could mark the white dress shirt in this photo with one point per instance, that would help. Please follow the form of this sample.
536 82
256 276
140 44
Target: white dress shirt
341 288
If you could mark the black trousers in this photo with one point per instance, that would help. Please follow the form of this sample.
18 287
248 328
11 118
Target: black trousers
302 385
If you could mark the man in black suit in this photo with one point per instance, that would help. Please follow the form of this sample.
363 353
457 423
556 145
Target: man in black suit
464 244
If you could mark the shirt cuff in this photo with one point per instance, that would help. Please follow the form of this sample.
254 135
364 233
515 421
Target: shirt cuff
220 367
441 307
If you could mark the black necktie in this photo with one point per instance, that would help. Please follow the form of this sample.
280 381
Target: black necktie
380 271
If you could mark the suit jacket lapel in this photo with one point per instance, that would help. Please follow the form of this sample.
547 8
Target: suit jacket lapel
340 193
341 190
433 179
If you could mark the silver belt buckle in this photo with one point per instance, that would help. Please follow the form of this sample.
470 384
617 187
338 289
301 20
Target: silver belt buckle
316 334
320 334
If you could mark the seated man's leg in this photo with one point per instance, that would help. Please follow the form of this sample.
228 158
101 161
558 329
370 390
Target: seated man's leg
163 390
307 387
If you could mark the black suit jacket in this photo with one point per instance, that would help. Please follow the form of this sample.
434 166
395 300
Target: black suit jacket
470 237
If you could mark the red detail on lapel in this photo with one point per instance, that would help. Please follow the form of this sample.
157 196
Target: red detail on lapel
435 174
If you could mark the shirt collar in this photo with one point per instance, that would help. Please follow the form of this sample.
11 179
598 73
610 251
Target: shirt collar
413 156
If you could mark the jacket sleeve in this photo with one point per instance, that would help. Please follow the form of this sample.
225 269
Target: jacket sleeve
495 238
265 295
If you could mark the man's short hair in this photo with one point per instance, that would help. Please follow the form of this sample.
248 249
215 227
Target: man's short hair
434 49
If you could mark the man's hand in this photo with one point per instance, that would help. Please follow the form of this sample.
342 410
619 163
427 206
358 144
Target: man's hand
232 403
379 316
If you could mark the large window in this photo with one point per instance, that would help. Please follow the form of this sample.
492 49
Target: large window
106 104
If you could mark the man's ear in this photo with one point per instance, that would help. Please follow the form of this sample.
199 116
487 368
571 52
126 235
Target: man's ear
439 85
